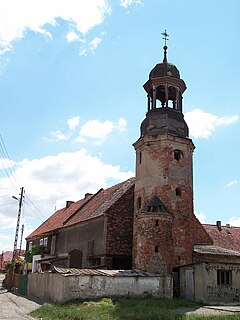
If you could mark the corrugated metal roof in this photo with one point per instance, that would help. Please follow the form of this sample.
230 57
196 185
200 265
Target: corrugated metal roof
107 273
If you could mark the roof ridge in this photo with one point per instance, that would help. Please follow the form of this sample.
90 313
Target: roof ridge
127 182
222 226
82 206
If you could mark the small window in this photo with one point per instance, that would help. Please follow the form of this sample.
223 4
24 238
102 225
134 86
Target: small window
178 192
30 246
41 242
45 242
178 155
157 223
139 202
156 248
224 277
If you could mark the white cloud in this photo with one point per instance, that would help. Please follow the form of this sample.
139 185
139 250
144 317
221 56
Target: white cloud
6 221
18 16
92 45
66 175
127 3
232 183
49 182
122 125
234 221
73 122
58 136
6 163
95 43
203 124
72 36
201 217
96 129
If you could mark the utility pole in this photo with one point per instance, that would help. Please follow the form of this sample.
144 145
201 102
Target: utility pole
20 247
16 234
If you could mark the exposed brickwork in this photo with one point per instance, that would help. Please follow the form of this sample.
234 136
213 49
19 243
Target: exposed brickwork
153 235
119 227
160 173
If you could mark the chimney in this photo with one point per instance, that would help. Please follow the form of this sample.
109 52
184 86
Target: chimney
87 195
227 225
68 203
218 223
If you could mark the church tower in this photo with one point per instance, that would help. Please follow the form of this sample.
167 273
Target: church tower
163 236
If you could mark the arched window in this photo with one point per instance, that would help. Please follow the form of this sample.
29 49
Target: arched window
177 154
178 192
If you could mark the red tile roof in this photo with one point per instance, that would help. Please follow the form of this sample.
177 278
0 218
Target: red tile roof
226 237
84 209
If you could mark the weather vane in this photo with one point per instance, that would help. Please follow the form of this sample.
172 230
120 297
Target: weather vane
165 36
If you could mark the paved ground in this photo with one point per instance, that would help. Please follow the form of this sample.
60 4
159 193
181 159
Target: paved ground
14 307
211 310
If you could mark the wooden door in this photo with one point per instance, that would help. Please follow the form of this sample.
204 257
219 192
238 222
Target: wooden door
189 278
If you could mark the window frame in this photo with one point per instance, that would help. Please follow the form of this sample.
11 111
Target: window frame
224 277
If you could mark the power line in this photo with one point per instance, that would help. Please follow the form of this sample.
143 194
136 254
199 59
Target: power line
12 175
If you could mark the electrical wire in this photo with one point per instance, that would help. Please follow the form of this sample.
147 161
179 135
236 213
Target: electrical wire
14 180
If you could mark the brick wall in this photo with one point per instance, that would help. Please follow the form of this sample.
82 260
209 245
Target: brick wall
119 228
170 244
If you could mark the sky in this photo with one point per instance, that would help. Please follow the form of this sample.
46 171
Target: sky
71 99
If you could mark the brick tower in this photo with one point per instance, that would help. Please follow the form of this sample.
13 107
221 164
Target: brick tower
165 228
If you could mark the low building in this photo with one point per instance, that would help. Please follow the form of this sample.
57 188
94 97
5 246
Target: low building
95 232
214 275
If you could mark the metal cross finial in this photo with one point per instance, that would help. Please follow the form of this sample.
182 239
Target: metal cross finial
165 36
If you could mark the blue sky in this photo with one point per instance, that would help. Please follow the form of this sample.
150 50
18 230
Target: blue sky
71 99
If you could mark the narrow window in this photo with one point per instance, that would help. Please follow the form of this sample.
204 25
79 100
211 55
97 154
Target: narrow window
140 157
178 155
41 242
156 248
178 192
157 223
30 246
90 251
139 203
224 277
53 245
45 242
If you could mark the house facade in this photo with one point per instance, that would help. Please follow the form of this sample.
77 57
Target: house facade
147 223
95 232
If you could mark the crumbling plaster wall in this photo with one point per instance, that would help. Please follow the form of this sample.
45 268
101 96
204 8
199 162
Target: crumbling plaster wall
55 287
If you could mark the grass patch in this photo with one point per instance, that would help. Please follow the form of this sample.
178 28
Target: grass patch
122 309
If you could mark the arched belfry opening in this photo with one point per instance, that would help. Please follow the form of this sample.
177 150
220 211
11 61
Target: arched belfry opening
165 86
164 90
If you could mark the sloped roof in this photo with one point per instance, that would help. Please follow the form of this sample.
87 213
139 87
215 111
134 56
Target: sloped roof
84 209
215 250
225 237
